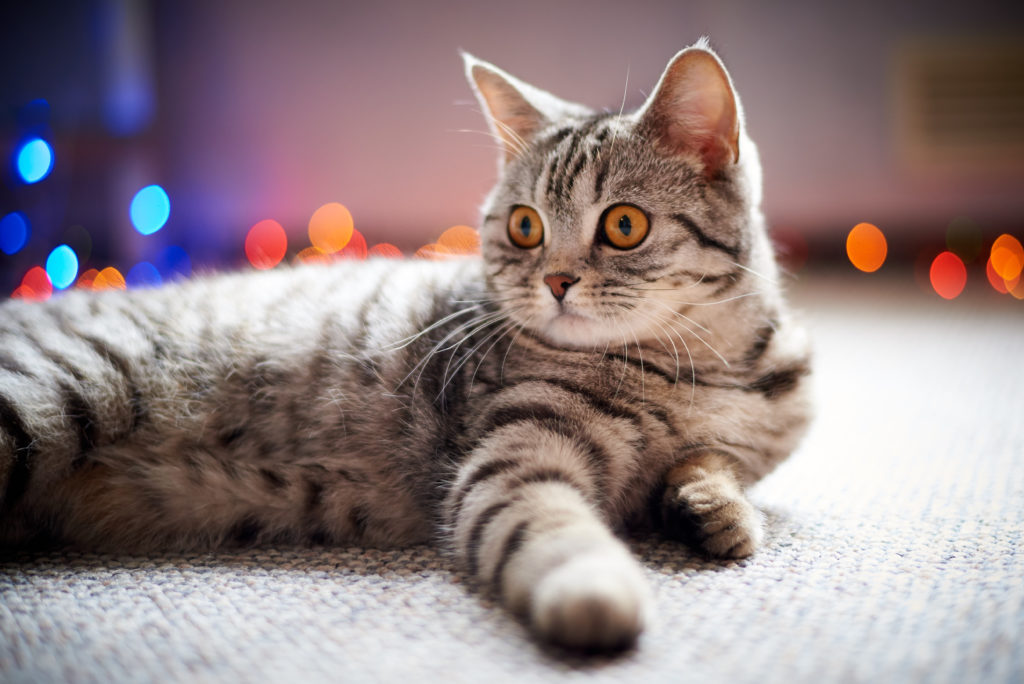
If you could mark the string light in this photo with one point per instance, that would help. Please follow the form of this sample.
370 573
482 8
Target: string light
150 209
385 250
948 275
331 228
266 244
14 232
34 160
62 266
866 247
143 274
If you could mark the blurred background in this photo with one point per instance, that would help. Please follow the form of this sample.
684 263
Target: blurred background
144 139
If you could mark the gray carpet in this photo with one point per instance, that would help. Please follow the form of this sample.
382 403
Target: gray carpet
894 553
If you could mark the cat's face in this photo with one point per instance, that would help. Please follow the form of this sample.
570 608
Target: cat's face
603 228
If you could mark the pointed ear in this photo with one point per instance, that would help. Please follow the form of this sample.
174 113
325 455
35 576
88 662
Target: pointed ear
694 109
515 110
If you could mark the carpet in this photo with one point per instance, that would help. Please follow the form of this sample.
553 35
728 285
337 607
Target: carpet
893 553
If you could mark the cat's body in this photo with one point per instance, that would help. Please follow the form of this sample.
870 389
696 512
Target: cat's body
516 408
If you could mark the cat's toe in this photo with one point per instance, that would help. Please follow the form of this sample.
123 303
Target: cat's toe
722 524
592 602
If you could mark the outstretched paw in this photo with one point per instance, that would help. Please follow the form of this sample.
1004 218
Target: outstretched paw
592 602
711 514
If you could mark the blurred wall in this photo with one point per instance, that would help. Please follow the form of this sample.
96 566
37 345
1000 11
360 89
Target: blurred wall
270 109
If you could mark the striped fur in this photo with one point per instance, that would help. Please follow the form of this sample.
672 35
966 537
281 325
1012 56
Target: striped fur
387 403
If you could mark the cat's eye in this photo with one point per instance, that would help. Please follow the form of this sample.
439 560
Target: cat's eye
624 226
525 229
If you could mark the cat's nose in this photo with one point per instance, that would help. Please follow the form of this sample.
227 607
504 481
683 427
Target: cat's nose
559 283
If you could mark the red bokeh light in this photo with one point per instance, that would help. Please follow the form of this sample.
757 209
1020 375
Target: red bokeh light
266 244
948 275
386 250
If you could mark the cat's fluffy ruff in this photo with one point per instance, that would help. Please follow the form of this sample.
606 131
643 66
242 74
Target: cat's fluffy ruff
471 401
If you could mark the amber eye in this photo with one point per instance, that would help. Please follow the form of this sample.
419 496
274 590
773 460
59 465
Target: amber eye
525 229
624 226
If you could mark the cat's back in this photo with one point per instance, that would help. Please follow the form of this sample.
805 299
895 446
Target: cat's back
243 391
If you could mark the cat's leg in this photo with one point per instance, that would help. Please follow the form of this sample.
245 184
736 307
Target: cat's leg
704 506
524 525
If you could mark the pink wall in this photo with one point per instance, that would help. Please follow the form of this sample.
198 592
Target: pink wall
268 110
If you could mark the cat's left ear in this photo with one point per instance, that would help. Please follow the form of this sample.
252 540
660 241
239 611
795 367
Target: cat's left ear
694 109
515 110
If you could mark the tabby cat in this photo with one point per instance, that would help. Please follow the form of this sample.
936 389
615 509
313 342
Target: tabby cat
621 353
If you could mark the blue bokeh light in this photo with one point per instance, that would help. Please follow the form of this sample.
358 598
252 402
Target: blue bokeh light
62 266
13 232
35 160
150 209
143 274
174 261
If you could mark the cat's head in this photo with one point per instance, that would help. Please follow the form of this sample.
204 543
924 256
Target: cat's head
603 227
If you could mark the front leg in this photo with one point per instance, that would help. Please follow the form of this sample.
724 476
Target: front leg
525 524
704 506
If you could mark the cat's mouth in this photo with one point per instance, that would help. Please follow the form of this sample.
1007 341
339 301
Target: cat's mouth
568 328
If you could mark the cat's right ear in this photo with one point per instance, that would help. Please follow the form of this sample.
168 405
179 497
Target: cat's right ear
515 110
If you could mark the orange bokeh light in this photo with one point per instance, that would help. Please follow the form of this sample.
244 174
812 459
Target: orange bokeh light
948 275
330 227
385 250
109 279
997 282
433 251
266 244
87 280
1007 257
312 255
866 247
460 240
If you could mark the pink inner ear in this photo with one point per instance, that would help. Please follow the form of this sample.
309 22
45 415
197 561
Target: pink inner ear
694 110
515 119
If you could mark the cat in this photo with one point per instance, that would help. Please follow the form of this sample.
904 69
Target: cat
621 353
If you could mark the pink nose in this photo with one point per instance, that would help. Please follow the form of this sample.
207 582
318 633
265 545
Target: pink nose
559 283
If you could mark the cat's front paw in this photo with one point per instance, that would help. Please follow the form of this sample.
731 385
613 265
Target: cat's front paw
713 517
593 601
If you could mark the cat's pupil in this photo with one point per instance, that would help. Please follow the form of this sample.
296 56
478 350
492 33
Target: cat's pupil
625 225
524 226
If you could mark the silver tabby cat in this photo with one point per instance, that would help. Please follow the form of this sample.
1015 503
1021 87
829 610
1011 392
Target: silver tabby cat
621 353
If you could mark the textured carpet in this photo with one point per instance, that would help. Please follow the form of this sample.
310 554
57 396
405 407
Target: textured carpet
894 553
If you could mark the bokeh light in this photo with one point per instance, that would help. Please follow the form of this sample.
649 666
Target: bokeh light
150 209
62 266
330 228
266 244
13 232
1007 257
866 247
109 279
356 247
143 274
312 255
87 279
385 250
172 262
948 275
964 238
433 251
35 285
460 240
34 160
